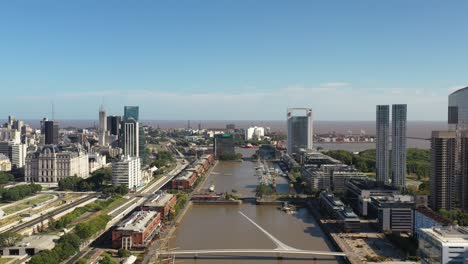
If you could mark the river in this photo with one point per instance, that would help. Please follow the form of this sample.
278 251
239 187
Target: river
223 227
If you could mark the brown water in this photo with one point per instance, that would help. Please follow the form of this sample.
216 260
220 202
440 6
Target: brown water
223 227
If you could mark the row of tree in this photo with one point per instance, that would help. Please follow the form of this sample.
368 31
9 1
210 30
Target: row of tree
19 192
235 156
417 160
455 215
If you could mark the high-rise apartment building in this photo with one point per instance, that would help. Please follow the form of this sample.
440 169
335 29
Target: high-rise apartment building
463 155
458 110
129 138
399 145
102 130
382 143
131 112
113 125
51 132
300 130
442 177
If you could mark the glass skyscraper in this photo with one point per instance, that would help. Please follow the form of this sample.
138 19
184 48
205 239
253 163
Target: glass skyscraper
399 145
382 143
131 112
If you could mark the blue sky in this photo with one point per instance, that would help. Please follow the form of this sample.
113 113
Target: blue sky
239 59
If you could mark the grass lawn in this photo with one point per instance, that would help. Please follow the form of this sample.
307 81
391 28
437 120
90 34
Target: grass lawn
5 260
28 203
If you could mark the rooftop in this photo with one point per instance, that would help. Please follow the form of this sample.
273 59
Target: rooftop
449 234
434 216
138 221
159 199
370 185
41 242
185 175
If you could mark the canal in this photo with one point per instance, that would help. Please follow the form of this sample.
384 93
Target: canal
223 227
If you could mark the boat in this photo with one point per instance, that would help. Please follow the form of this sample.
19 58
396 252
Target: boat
212 188
289 209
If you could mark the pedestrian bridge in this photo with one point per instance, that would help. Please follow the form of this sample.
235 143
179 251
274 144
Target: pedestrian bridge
280 251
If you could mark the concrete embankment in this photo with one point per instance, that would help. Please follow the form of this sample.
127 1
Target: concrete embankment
224 202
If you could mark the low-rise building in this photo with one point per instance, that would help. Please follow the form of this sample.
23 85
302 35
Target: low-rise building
126 171
50 165
137 230
345 217
358 193
443 245
330 177
349 221
31 245
394 213
161 202
184 180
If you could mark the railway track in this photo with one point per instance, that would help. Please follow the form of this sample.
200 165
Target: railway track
51 214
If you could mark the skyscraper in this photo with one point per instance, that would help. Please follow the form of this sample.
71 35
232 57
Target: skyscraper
463 155
130 137
113 125
300 130
442 177
51 132
131 112
102 131
399 145
382 151
458 110
223 145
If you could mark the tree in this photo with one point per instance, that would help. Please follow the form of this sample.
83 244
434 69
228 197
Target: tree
9 239
6 177
123 253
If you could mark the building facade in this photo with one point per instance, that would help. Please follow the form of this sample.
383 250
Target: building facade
51 133
102 130
131 112
127 172
50 165
130 138
382 143
443 245
442 177
399 145
300 130
113 125
223 145
137 230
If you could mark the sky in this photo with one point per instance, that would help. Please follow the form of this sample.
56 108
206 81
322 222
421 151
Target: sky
231 59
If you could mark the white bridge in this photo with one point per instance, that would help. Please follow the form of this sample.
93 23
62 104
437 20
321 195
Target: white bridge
280 250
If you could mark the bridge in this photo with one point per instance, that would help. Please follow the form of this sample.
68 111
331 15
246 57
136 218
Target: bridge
280 250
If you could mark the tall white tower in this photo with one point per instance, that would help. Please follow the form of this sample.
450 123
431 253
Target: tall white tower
102 131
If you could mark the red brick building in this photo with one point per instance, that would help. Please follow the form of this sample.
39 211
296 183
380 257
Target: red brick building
184 180
137 230
161 202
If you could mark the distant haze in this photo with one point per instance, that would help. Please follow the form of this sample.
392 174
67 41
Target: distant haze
421 129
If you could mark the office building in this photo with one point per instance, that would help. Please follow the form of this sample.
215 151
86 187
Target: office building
358 193
329 177
443 245
137 231
131 112
113 125
102 130
51 132
126 171
458 110
399 145
442 177
300 130
223 145
394 213
336 209
50 165
129 138
254 133
382 143
16 152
